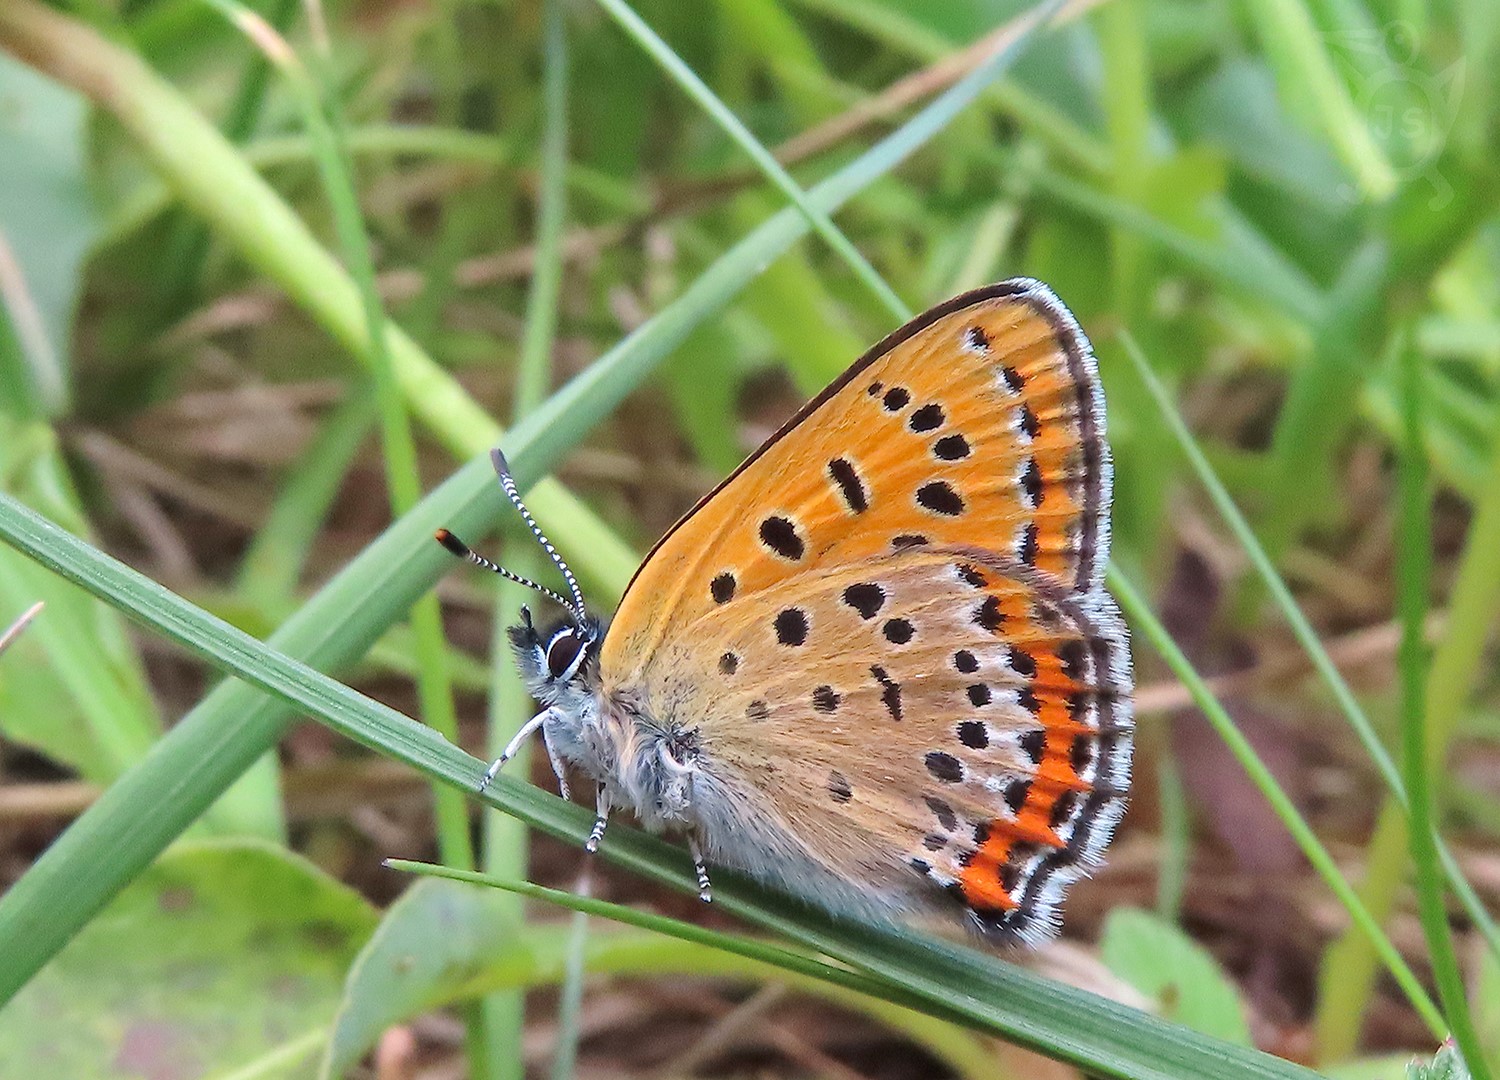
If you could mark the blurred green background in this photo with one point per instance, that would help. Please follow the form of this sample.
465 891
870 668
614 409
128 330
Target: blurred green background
270 271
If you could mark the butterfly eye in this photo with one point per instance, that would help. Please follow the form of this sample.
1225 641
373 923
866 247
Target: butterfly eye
564 652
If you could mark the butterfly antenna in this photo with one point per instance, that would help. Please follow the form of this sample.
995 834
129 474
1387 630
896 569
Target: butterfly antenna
463 551
502 470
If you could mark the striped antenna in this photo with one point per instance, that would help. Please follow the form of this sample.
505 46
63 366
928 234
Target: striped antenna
508 482
463 551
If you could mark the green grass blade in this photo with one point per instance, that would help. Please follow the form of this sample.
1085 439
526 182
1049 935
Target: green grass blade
949 980
1302 630
322 117
1414 579
536 956
1289 33
215 181
505 840
1145 621
764 160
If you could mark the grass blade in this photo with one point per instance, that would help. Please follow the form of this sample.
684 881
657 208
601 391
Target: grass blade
1414 579
1142 618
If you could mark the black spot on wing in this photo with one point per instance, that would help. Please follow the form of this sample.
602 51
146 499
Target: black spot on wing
1028 547
943 812
898 631
944 767
838 787
1033 743
988 614
865 598
1015 794
1031 483
927 418
940 497
780 535
890 691
850 487
791 627
1029 424
951 448
974 734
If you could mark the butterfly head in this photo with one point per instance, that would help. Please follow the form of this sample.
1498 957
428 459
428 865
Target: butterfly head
559 663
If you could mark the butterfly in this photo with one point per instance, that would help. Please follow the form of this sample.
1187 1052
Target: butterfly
876 667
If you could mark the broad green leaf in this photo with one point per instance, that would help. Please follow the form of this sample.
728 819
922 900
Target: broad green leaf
72 687
47 222
434 938
1167 966
216 957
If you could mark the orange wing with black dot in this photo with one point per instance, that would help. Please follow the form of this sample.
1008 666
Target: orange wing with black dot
889 627
979 423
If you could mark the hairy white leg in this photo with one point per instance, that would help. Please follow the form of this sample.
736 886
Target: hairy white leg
705 889
528 729
558 769
591 845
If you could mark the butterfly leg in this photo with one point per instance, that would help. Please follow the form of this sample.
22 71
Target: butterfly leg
557 767
705 889
527 730
591 845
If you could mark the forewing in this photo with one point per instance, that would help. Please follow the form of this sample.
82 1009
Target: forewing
980 423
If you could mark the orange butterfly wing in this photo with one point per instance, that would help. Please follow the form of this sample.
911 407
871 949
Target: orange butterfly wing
978 423
976 429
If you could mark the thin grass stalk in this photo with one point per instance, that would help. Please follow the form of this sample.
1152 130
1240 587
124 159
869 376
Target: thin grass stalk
506 840
764 160
322 118
1144 620
1302 630
1414 578
324 122
188 242
570 1001
671 947
1127 110
1289 33
1054 127
18 626
151 198
1347 977
215 181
